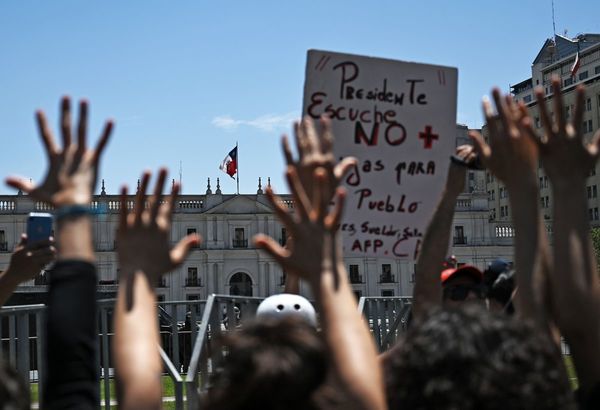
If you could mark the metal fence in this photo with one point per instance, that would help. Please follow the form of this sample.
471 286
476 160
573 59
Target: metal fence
176 340
222 314
190 348
387 317
20 344
22 341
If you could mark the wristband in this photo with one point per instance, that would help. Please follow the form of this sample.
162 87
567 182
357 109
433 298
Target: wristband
71 211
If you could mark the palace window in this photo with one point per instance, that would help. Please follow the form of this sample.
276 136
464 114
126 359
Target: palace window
239 238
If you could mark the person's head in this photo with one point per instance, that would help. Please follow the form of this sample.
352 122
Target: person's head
471 359
450 262
499 283
14 394
460 285
270 364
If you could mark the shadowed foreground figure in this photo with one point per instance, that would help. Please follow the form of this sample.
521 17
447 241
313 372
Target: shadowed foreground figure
271 364
14 394
468 358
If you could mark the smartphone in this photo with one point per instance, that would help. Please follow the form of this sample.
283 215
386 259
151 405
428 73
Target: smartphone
39 227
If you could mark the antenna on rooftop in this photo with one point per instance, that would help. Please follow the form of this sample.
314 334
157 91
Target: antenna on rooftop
180 172
553 21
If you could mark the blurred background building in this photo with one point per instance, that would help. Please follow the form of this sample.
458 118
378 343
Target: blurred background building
575 61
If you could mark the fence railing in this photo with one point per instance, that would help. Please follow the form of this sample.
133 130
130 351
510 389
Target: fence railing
387 318
190 333
387 278
221 314
22 340
177 337
20 327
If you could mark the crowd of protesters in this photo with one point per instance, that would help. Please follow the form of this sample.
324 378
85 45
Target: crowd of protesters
476 340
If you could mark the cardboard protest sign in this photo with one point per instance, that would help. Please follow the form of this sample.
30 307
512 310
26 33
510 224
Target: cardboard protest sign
399 120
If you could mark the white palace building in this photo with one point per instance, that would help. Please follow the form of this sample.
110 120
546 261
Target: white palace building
228 263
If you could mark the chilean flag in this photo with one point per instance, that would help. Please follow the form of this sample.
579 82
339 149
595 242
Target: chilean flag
229 164
576 65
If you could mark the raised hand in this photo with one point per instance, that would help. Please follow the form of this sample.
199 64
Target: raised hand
467 153
455 183
427 291
567 160
315 255
73 171
511 156
311 227
562 149
315 149
143 235
27 262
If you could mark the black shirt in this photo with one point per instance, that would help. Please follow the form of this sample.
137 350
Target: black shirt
72 377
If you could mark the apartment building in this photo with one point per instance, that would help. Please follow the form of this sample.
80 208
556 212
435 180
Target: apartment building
556 58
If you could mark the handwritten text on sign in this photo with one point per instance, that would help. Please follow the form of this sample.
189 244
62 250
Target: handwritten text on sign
399 120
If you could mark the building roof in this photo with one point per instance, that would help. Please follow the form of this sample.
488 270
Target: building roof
561 47
521 86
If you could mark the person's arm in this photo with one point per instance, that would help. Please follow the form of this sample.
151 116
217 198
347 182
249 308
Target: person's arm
292 284
512 157
574 279
317 258
292 281
428 289
25 264
71 332
138 365
144 254
72 372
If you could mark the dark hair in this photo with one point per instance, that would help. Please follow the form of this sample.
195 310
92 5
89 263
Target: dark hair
501 290
14 394
271 364
468 358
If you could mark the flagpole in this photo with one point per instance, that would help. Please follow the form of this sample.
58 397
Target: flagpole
238 167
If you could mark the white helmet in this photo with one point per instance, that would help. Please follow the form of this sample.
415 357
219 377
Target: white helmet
286 305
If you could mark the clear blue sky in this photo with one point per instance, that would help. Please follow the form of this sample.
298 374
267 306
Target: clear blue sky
184 80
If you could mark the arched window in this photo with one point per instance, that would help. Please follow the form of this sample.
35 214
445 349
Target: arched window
240 284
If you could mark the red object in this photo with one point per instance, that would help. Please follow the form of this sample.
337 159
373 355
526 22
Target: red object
465 269
576 64
229 164
428 136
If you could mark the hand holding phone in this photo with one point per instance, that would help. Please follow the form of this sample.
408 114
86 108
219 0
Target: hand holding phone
39 227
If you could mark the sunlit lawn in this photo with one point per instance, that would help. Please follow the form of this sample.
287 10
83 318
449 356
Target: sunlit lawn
571 372
167 385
